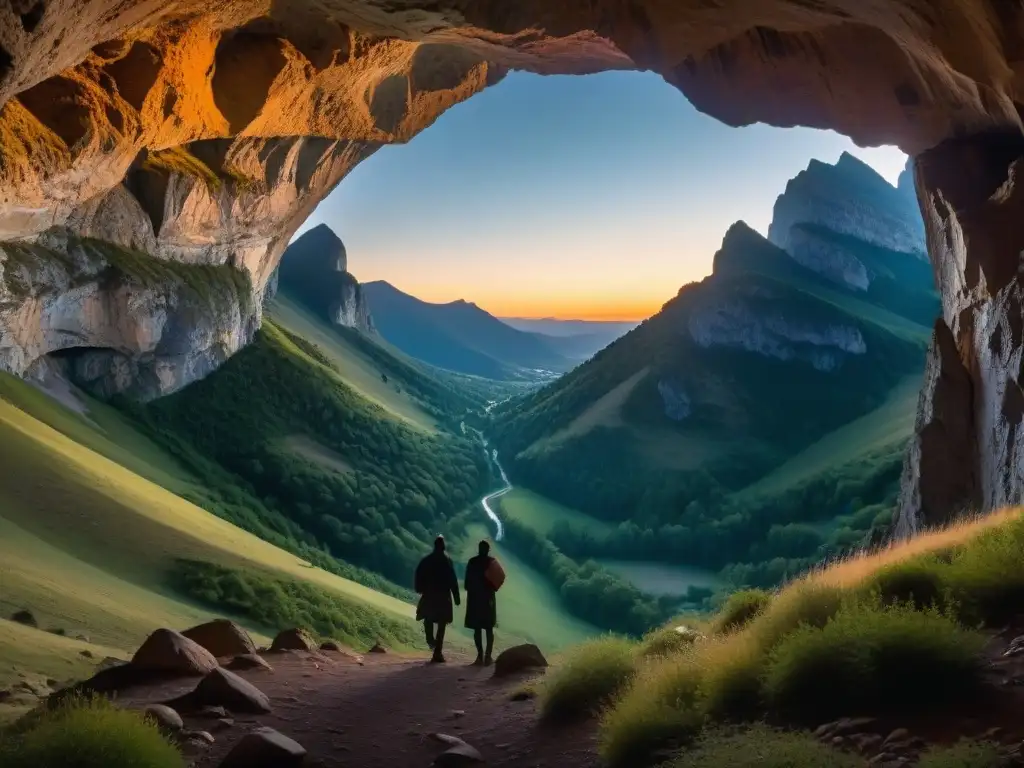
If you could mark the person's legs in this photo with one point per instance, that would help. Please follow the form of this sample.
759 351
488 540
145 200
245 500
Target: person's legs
428 628
490 646
478 640
439 644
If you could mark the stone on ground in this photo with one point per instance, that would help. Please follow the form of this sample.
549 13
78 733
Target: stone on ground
378 648
166 719
519 658
223 688
168 652
330 645
458 756
293 640
24 617
222 637
249 661
265 748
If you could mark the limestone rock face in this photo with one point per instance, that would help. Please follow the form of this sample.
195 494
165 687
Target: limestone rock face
315 269
969 450
850 200
126 323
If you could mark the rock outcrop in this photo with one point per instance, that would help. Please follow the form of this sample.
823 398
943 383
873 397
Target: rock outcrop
204 134
315 269
968 453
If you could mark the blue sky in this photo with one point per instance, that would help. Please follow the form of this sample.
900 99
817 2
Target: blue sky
591 196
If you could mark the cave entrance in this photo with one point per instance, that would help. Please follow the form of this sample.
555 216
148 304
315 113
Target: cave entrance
780 276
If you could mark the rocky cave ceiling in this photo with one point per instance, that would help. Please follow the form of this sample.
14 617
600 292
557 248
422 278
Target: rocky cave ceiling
205 131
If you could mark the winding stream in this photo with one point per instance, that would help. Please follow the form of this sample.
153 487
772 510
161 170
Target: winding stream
492 455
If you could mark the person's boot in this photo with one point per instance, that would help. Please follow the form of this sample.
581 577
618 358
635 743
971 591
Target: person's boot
438 658
479 661
488 661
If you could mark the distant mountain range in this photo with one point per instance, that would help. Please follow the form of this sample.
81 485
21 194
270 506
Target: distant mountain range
791 338
460 336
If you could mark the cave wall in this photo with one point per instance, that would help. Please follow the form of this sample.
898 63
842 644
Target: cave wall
202 133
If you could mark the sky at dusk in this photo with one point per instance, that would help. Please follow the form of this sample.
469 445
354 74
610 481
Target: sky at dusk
577 197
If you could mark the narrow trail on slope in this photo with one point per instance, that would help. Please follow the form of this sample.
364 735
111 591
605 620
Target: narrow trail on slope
383 714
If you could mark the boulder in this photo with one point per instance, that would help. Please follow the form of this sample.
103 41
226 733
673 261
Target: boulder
24 617
519 658
249 661
265 748
166 719
378 648
223 688
167 652
210 712
222 637
293 640
330 645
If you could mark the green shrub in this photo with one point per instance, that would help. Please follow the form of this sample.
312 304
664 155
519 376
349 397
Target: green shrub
918 582
986 576
588 678
965 754
872 659
803 603
88 734
661 708
762 747
731 683
740 608
668 640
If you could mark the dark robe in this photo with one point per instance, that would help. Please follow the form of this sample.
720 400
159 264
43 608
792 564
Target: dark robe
481 605
437 585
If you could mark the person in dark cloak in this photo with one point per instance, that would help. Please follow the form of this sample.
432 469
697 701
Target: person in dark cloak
437 586
481 604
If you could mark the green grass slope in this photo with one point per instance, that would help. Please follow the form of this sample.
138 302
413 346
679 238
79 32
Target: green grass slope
87 545
354 367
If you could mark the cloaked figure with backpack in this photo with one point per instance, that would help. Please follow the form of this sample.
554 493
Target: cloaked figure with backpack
438 587
484 577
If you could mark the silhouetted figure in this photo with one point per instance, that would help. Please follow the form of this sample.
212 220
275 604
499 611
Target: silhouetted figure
384 378
481 603
437 586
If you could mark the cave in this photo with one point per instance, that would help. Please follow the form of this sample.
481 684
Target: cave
940 79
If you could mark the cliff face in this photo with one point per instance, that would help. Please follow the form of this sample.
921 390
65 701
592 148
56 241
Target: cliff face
119 322
315 269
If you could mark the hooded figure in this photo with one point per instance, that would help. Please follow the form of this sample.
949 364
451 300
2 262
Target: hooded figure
481 603
437 586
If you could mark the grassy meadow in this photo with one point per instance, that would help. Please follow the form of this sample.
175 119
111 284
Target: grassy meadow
353 367
543 514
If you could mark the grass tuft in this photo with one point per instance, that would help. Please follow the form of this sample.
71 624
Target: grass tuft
964 754
873 659
659 710
593 673
740 609
669 640
762 747
88 734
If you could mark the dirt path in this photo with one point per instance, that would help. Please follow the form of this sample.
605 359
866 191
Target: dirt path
383 714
